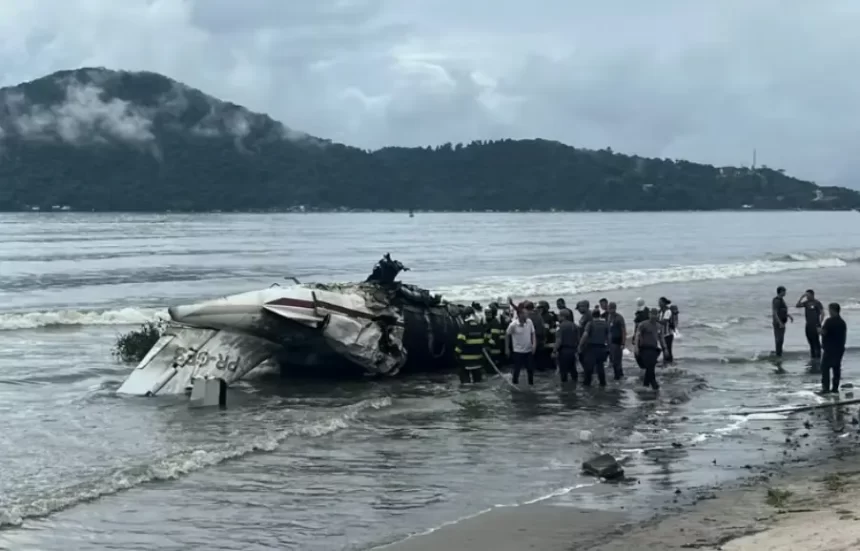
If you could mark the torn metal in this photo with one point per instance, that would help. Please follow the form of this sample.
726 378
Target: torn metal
378 327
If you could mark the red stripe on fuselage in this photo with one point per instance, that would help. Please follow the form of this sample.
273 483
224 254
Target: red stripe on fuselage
308 304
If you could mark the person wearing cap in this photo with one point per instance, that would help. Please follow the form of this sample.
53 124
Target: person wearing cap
471 340
814 311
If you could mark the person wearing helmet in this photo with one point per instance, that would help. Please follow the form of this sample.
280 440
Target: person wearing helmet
471 341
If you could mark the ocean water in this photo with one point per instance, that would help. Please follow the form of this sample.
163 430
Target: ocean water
316 466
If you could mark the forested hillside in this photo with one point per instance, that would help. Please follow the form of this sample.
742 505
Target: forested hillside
95 139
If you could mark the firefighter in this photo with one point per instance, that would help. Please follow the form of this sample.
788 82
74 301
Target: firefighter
471 341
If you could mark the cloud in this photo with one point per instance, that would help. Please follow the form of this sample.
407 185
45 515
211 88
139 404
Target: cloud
705 81
81 118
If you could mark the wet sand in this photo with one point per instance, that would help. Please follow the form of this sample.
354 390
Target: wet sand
809 501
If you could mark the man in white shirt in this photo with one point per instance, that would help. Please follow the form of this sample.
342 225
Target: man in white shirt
520 339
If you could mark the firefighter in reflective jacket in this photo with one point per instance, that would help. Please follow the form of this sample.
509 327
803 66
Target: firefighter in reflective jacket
471 341
495 335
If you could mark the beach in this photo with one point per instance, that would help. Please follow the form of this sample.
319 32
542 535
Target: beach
804 502
318 465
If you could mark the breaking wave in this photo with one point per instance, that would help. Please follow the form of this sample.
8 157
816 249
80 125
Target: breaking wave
490 287
33 320
848 256
175 466
588 282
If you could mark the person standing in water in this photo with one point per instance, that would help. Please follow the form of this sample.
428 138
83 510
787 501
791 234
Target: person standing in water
495 334
814 311
667 328
566 343
779 312
834 333
649 343
583 307
471 341
592 348
617 339
643 313
560 304
521 342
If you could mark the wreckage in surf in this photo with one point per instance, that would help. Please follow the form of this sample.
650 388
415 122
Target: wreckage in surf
379 327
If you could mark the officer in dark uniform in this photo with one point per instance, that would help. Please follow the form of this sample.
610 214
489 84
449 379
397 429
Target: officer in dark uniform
593 346
566 344
471 341
550 323
495 335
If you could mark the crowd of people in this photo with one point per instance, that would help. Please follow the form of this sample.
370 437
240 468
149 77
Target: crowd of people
826 337
531 338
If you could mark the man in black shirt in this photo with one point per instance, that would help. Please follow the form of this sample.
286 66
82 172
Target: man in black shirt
780 317
814 311
833 335
617 339
643 313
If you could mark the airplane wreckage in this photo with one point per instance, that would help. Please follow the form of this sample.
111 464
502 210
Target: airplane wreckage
380 327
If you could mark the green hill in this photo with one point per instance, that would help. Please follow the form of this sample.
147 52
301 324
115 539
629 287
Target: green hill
96 139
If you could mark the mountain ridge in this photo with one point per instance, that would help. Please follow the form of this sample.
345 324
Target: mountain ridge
105 140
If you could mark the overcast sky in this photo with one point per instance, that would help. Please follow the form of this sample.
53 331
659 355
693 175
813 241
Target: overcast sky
702 80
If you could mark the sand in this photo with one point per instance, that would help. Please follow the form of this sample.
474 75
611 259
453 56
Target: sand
536 526
809 507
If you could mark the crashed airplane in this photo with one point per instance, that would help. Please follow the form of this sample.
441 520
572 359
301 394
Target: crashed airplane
380 327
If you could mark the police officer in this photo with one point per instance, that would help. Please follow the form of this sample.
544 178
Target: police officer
593 347
549 321
585 317
471 341
566 343
495 335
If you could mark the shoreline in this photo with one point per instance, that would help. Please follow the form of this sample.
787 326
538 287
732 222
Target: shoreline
294 210
804 502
